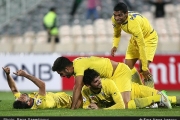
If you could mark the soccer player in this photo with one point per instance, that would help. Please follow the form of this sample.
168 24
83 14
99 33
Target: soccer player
36 100
120 73
142 44
103 93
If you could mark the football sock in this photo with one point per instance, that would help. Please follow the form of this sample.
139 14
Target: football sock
144 102
149 82
178 100
136 77
172 99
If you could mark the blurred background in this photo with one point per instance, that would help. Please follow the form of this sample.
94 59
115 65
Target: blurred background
22 31
84 28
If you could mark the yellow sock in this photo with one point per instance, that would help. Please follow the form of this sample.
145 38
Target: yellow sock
132 104
144 102
172 99
136 77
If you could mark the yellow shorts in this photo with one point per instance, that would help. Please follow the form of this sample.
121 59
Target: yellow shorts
122 77
141 91
150 46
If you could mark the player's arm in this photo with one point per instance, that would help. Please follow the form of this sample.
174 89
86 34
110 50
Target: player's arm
39 83
116 95
86 100
77 97
10 80
138 35
116 36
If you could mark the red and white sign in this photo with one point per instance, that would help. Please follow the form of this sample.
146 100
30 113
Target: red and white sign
165 70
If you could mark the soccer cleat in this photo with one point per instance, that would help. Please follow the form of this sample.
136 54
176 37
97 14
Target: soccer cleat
164 99
154 105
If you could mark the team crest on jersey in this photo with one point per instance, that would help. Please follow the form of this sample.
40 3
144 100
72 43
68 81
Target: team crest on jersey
38 102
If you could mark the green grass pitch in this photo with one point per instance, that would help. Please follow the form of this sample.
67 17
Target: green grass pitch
6 100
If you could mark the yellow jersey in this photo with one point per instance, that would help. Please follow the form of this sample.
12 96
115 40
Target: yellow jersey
50 100
108 98
139 27
100 64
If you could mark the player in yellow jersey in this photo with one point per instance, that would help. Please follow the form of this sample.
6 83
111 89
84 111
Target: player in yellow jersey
36 100
103 93
120 73
143 42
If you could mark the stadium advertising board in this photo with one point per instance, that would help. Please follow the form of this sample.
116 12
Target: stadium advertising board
165 70
37 65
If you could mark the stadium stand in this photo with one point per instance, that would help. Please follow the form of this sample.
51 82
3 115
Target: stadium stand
21 30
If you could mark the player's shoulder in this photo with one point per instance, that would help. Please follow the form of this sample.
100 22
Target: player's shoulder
106 81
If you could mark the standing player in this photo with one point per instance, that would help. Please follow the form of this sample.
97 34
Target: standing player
143 42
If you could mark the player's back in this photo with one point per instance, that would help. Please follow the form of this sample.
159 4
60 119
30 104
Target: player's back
100 64
135 17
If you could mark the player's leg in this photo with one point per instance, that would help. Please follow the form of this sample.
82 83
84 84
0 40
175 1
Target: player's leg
132 55
122 78
144 102
151 43
150 81
141 91
136 76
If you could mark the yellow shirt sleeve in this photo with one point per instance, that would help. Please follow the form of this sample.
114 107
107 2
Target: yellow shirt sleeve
136 31
116 95
17 95
117 33
86 99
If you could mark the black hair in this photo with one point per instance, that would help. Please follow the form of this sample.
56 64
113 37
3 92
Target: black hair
121 7
61 63
89 76
20 105
52 9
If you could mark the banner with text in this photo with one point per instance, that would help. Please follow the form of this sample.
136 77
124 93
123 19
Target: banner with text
165 70
38 65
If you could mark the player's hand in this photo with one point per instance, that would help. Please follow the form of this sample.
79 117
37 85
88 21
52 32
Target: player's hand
20 73
93 106
6 70
146 74
113 50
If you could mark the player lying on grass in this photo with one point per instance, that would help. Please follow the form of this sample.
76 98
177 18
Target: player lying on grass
103 93
119 72
36 100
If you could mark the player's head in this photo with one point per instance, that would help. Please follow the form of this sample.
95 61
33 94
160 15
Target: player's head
23 102
120 12
92 78
63 66
52 9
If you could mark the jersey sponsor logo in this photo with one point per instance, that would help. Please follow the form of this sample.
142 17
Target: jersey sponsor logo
38 102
